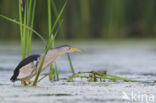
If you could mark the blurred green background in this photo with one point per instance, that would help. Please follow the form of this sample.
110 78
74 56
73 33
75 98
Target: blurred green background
88 19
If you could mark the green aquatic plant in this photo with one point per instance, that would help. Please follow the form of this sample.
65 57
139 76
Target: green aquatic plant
113 19
51 72
70 63
94 76
40 67
60 25
26 17
26 20
27 27
50 43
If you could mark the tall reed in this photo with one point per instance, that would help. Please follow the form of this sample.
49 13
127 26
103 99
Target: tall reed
26 20
114 19
52 34
93 18
148 17
27 27
60 25
26 17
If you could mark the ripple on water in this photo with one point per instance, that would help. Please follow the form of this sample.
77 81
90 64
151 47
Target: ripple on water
48 94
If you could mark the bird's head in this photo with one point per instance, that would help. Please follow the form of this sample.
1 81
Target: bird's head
68 49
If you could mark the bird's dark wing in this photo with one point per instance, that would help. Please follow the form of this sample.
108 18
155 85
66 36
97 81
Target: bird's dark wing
23 63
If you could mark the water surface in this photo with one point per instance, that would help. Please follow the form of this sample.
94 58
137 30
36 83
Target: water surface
132 59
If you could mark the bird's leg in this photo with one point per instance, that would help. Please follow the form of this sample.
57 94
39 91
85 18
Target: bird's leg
23 82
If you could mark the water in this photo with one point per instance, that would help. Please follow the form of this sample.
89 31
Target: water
132 59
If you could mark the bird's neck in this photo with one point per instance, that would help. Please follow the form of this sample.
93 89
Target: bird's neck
51 56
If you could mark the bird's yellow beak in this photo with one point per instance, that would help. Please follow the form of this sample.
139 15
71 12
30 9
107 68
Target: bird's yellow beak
76 50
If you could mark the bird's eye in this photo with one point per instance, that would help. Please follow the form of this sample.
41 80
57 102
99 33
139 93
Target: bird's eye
70 48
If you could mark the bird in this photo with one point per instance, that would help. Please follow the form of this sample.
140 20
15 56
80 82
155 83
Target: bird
28 67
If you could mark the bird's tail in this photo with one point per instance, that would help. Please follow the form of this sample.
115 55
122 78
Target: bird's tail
13 78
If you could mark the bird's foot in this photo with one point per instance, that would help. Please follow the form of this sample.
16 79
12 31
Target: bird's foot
26 82
29 81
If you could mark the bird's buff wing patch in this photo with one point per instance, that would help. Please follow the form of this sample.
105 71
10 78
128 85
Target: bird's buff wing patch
26 71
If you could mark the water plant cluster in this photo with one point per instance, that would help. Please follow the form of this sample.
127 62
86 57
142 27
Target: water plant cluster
26 22
102 76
